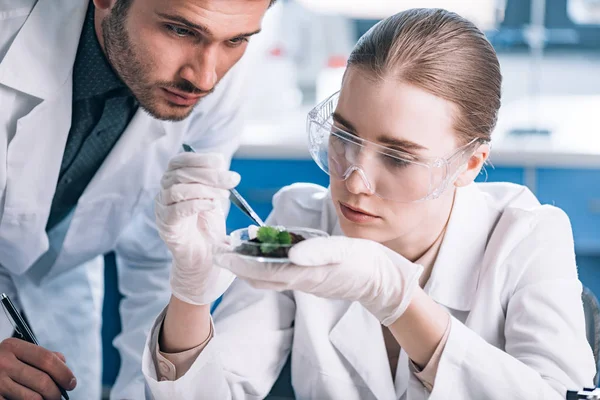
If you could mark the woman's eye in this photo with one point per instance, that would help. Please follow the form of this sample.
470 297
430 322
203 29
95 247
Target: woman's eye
395 162
181 32
347 137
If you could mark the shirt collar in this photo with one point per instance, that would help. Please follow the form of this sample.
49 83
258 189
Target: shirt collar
92 73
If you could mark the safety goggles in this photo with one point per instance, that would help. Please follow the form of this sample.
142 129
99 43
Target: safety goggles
387 173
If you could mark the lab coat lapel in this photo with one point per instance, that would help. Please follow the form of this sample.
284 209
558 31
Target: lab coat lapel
119 181
453 283
358 337
455 275
34 155
33 164
402 375
32 65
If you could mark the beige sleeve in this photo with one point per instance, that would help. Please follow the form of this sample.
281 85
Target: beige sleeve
427 374
172 366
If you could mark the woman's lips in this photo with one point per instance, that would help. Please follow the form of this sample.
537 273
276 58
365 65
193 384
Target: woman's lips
356 215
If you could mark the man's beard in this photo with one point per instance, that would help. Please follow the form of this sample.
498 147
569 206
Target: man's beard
126 62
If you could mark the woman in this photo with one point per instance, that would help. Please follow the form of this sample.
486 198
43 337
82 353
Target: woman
430 286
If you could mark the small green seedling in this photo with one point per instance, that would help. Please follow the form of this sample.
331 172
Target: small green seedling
271 238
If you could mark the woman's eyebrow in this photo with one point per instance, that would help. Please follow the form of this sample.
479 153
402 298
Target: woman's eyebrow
401 144
386 140
343 121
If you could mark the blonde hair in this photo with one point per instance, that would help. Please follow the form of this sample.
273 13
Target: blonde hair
443 54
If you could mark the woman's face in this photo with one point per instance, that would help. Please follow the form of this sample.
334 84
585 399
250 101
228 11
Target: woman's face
402 117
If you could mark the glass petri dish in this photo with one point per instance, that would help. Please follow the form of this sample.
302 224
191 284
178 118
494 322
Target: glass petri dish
242 245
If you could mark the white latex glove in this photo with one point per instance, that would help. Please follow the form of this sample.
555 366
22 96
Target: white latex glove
337 267
190 218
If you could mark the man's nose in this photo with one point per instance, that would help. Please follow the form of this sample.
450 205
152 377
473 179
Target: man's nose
202 70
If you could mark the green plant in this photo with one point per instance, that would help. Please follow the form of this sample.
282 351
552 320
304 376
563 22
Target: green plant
271 238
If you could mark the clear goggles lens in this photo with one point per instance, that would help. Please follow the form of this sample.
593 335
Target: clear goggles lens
385 172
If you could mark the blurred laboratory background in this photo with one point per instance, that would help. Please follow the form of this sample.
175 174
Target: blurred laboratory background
548 134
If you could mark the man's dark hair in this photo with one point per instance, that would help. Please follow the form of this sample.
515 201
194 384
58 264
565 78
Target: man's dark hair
123 5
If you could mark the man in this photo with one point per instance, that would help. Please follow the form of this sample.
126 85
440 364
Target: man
95 98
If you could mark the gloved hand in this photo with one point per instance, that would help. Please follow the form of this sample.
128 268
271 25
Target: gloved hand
190 218
337 267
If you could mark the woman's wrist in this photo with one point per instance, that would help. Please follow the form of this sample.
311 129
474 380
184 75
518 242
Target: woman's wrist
185 326
421 327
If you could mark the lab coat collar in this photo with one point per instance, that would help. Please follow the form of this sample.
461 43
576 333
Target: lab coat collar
364 349
455 273
453 283
31 65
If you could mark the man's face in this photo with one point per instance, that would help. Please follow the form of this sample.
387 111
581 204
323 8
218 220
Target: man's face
173 53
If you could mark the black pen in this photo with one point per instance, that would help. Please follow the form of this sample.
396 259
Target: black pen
586 393
23 329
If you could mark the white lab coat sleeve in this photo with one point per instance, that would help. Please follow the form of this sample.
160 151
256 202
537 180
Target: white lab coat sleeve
251 343
546 350
143 260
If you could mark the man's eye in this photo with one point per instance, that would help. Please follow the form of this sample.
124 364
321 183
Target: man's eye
181 32
237 41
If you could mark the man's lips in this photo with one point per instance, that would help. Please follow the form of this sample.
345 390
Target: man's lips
181 98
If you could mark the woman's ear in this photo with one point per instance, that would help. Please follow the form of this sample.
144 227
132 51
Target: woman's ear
473 166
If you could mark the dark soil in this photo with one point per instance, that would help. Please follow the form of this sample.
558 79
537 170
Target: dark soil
279 252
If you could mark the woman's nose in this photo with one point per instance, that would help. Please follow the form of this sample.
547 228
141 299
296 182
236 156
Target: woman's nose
357 182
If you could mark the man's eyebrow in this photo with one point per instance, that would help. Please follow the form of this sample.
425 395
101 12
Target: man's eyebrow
245 35
201 28
338 118
187 23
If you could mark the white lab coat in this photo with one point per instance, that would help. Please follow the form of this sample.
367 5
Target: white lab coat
62 299
505 271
